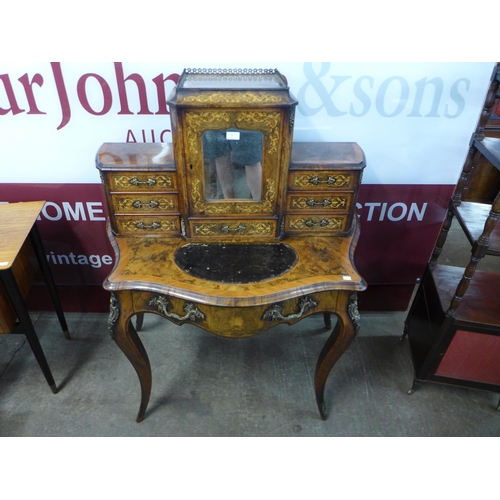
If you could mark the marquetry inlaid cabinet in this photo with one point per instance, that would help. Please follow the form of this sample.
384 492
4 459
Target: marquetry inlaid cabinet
233 226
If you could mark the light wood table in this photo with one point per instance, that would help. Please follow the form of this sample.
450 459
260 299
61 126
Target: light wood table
20 250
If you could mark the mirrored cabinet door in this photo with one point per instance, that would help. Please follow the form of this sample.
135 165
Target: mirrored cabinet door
232 133
232 161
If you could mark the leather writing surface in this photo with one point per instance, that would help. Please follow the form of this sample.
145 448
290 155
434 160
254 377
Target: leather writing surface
234 263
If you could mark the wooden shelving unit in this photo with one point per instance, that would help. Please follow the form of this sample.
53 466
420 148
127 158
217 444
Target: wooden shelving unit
453 325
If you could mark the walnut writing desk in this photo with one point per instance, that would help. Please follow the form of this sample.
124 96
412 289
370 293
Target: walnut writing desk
199 242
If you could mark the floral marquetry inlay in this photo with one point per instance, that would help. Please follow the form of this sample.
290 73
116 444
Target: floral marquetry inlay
315 223
219 120
221 207
233 98
332 202
268 123
160 225
144 181
256 119
135 204
200 206
265 206
247 228
198 122
308 180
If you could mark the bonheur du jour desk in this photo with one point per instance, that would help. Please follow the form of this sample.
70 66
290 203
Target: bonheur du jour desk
241 231
230 299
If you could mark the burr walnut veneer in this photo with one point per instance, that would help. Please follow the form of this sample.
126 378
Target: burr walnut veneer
230 227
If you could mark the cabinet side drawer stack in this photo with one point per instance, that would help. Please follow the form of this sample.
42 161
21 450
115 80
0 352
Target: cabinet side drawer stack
323 184
140 182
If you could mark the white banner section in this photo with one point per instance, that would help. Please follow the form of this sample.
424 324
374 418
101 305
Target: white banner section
413 120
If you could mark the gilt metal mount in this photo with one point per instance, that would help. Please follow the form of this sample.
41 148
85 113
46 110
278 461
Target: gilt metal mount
164 306
274 313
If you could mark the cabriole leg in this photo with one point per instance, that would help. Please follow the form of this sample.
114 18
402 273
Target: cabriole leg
124 334
340 339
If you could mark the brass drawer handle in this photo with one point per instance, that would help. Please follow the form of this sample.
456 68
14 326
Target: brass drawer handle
164 306
154 225
275 312
136 182
316 180
311 223
227 229
151 204
325 203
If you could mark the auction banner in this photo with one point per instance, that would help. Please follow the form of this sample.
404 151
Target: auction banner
413 121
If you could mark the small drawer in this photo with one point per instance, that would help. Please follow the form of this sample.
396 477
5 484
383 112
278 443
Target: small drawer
145 203
315 223
244 321
232 228
143 181
325 202
140 226
321 180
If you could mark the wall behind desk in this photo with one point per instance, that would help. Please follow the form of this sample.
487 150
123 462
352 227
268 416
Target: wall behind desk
413 120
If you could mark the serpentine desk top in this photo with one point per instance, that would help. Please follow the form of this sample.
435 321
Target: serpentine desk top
323 263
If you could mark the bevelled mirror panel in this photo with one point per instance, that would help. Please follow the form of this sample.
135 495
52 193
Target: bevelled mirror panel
232 160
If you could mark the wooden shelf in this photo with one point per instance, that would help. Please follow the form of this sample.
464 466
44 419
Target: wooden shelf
472 217
453 325
489 147
480 307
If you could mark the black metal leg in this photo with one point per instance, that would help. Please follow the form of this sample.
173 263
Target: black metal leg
139 322
36 241
328 320
10 284
413 387
498 405
405 333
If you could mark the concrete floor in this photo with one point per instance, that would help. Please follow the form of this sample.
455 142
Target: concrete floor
204 385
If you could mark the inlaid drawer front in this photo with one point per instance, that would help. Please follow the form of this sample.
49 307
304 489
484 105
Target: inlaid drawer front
143 181
145 203
313 223
322 180
233 228
325 202
148 225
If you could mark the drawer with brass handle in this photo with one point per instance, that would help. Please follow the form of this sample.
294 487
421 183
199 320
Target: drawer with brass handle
314 223
324 180
319 202
140 226
142 181
145 203
229 228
